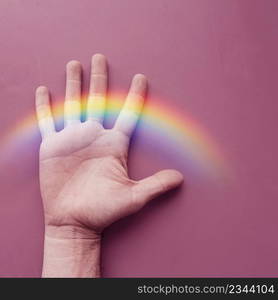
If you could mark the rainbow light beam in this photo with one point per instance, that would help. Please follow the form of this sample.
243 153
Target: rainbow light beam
176 130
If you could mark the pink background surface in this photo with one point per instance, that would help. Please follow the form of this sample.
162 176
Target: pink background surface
216 60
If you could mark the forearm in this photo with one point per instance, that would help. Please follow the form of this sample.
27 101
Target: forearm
71 252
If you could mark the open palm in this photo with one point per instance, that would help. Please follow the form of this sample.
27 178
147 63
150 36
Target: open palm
83 168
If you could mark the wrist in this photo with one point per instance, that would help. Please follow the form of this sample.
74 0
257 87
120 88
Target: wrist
71 232
71 251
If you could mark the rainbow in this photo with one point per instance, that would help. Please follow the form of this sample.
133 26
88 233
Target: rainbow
175 131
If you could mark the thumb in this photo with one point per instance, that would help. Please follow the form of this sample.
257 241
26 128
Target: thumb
157 184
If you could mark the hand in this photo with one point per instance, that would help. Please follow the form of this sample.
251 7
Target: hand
83 168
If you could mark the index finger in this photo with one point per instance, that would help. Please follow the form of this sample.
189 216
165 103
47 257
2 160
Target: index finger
129 115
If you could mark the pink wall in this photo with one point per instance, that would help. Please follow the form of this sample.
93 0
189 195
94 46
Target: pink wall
215 60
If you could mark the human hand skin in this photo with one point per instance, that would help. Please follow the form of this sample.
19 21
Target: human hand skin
83 172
